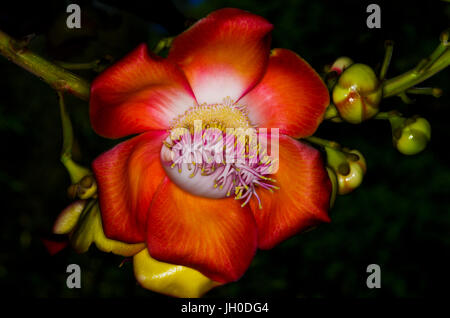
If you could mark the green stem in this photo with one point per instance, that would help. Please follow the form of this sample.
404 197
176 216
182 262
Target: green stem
389 47
75 171
387 115
442 47
78 66
66 128
437 61
323 142
54 75
434 91
405 98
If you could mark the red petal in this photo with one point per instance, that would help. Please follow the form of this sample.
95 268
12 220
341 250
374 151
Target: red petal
302 200
54 247
137 94
224 54
214 236
128 176
291 96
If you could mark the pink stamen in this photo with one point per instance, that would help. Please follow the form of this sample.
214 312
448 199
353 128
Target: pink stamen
241 177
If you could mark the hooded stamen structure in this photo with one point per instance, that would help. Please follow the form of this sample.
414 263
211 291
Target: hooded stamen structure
213 151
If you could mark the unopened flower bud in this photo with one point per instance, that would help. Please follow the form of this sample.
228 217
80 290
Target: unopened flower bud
410 135
349 167
341 64
357 94
352 178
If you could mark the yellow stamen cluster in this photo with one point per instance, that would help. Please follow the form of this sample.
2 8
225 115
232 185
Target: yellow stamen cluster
221 116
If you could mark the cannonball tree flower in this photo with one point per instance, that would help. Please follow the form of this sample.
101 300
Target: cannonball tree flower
202 217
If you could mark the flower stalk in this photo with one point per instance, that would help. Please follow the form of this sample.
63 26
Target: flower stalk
56 76
322 142
433 91
389 47
436 62
76 172
97 65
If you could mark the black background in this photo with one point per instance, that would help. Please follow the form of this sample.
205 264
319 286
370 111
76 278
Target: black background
399 218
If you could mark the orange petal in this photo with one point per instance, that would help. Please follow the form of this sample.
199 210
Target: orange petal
169 279
302 200
127 177
137 94
224 54
291 96
214 236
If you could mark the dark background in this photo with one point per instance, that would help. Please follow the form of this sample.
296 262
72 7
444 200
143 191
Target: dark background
399 218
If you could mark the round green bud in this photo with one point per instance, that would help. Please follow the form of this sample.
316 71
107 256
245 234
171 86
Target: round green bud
351 178
412 136
349 167
357 94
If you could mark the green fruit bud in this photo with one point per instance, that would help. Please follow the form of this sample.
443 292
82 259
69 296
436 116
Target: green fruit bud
410 136
357 94
349 167
352 178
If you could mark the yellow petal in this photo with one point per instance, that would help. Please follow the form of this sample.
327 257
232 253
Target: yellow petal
82 236
68 218
89 230
107 245
169 279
